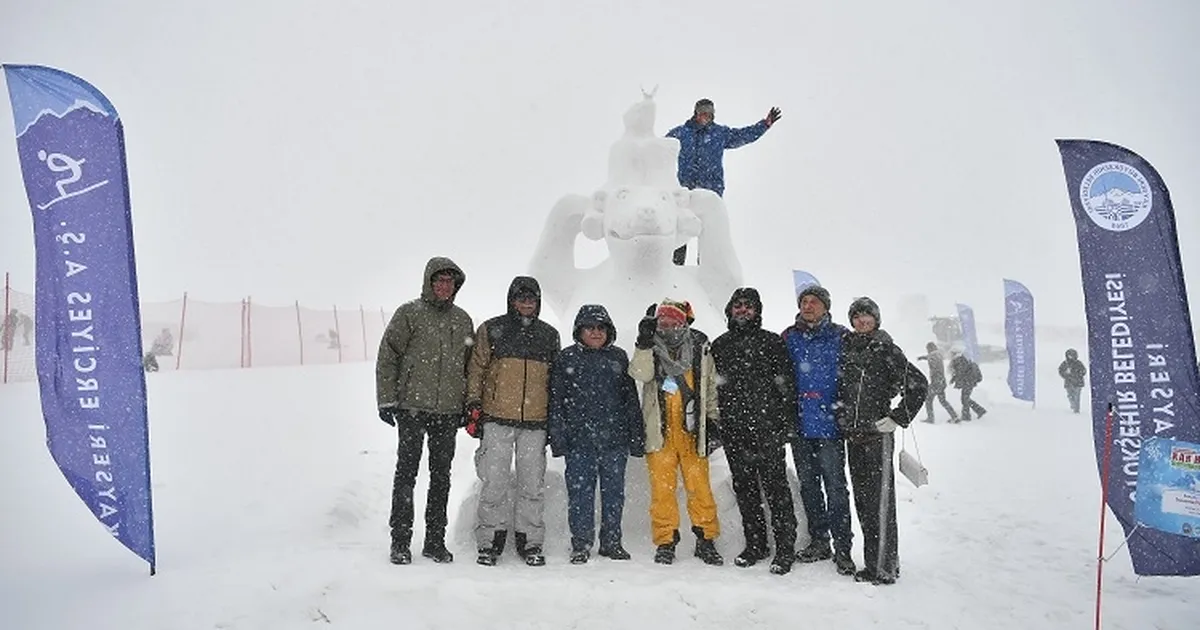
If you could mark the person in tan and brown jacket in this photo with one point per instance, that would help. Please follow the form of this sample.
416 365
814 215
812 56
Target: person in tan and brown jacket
508 389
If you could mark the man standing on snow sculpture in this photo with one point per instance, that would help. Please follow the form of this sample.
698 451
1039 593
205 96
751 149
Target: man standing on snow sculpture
508 391
420 378
702 145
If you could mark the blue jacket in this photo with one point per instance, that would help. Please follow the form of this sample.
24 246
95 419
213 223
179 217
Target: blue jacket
815 353
701 150
593 400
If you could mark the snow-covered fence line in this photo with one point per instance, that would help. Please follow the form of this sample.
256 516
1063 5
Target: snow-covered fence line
190 334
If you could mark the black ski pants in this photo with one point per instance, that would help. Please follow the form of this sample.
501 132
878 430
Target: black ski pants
757 472
412 427
874 481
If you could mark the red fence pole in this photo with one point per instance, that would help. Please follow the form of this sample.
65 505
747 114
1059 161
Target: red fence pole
242 337
249 333
1108 422
7 324
182 321
362 317
300 332
337 328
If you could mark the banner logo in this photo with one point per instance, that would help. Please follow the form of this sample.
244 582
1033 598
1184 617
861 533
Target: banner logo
1117 196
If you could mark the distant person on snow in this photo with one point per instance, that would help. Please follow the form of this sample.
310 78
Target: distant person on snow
702 145
937 383
1072 372
965 375
420 386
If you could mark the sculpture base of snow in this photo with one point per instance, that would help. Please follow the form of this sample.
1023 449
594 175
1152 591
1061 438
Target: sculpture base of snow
642 215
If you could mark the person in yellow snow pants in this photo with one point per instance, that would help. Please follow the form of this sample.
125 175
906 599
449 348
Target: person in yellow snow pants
679 410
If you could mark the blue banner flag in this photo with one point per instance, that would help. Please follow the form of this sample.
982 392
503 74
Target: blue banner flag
1143 356
803 279
1019 339
71 148
966 321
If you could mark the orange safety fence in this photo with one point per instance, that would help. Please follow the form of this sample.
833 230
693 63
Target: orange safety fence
190 334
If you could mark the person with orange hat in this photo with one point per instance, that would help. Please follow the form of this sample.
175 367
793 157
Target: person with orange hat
673 363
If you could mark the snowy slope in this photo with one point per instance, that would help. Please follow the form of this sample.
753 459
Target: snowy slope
272 491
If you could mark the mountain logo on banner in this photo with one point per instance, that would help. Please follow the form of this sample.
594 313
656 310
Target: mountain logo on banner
1116 196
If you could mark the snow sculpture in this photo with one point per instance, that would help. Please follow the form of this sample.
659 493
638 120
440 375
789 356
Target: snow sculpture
642 214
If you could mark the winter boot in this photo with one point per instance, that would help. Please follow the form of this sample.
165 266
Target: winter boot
665 554
400 554
750 556
864 575
435 549
489 556
816 551
705 549
615 552
845 564
782 564
531 554
580 555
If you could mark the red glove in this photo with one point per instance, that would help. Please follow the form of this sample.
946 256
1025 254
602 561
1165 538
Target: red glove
474 426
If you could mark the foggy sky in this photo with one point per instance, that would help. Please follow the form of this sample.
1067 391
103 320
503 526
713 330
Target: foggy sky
323 151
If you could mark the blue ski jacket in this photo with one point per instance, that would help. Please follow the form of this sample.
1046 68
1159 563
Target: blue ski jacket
702 148
815 353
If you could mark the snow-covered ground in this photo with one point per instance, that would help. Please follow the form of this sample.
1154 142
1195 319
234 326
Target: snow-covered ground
272 492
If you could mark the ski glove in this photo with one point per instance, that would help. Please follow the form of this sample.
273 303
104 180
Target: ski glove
472 419
387 413
886 425
646 329
773 116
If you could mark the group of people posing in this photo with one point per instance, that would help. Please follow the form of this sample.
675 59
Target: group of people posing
835 395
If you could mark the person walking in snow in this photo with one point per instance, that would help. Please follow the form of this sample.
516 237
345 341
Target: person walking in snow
814 343
937 383
596 424
673 363
420 382
756 396
874 371
965 375
1072 372
508 390
702 146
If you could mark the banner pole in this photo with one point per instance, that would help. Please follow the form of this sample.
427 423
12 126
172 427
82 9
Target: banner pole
249 332
1108 422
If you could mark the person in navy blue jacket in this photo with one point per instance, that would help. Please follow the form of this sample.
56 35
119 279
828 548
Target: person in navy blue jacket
702 145
815 343
595 421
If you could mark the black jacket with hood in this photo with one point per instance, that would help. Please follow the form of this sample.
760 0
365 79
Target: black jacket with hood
756 389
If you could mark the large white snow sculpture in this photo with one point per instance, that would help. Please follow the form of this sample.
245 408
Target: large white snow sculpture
642 214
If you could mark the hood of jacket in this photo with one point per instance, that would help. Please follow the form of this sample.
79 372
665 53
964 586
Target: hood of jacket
751 295
524 284
594 314
436 265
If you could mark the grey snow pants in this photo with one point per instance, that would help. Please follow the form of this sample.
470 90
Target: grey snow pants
499 509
